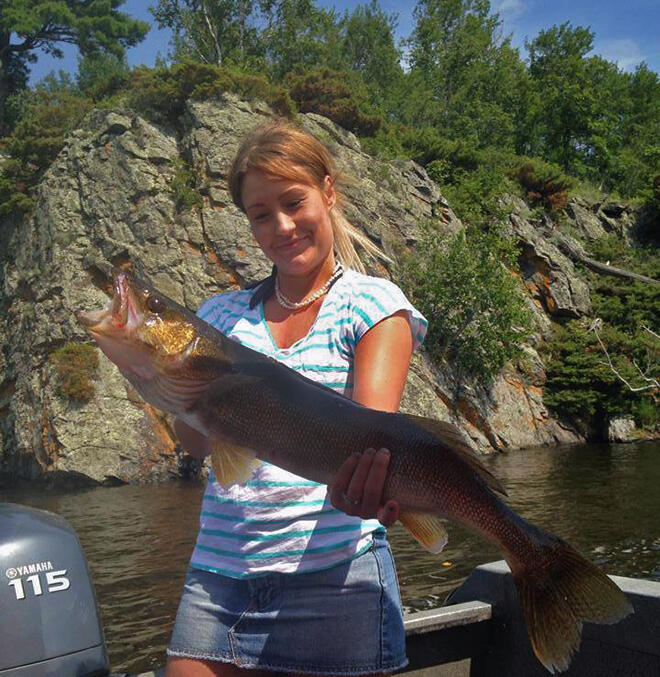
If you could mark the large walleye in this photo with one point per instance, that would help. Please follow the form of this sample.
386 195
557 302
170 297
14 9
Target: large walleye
252 407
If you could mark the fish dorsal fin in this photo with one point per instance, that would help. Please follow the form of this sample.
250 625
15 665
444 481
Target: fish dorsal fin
231 464
452 438
429 530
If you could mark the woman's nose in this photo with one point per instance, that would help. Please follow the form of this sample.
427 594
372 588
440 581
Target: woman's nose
284 223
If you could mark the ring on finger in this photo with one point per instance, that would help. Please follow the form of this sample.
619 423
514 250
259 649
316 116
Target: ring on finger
353 502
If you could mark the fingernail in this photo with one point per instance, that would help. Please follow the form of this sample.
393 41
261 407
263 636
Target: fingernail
384 452
356 454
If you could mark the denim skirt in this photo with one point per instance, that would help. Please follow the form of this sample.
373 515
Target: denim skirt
345 620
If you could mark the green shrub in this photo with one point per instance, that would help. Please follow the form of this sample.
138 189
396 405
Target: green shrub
580 381
335 95
184 186
478 315
76 365
52 111
101 75
545 183
161 93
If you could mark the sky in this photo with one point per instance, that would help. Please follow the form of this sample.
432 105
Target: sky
625 32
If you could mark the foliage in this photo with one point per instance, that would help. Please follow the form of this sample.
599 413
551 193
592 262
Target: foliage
477 85
76 365
53 110
367 47
477 312
299 34
338 96
265 36
183 187
626 304
161 93
101 75
46 24
466 89
217 32
580 381
545 184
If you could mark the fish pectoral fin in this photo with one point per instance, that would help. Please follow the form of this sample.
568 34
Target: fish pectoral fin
231 464
429 530
453 439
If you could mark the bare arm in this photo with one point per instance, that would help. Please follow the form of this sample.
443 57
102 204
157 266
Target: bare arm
382 358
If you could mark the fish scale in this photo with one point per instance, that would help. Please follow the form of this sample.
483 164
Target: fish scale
252 407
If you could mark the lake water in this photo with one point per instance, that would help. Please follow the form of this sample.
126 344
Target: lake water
604 499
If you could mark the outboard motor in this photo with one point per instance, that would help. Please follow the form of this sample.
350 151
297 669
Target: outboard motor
49 624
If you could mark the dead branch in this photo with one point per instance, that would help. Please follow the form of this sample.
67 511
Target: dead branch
575 254
653 383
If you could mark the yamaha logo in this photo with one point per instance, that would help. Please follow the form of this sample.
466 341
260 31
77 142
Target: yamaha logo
27 569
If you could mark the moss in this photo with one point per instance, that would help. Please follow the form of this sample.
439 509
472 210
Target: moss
76 365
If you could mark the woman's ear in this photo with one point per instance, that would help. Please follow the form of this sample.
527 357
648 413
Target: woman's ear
329 191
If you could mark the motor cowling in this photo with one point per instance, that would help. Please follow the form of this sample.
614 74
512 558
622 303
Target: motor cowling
49 623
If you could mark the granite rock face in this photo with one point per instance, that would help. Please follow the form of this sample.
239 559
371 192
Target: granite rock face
110 199
621 429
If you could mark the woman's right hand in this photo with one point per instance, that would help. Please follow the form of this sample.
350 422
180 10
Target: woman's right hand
193 442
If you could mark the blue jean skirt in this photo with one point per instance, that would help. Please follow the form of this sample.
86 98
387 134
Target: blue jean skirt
346 620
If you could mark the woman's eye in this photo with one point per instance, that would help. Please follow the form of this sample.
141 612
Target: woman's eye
294 204
259 217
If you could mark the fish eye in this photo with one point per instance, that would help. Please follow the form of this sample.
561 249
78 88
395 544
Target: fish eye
155 304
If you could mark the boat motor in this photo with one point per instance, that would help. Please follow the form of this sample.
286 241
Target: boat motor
49 622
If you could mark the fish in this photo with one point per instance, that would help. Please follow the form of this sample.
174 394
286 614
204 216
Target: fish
253 409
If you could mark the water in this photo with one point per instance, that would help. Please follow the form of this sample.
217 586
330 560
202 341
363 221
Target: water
603 499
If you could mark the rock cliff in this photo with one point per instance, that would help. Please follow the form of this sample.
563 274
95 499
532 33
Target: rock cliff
111 198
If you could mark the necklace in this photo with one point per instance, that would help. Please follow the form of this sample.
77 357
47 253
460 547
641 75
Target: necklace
297 305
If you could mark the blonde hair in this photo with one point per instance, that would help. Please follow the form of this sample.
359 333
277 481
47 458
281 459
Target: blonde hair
283 150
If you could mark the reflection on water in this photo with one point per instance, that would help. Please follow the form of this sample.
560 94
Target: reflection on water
603 499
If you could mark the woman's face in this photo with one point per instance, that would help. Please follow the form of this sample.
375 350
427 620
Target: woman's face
290 220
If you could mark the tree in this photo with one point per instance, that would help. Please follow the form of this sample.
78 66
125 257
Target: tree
299 35
480 315
218 32
368 48
476 80
567 104
29 25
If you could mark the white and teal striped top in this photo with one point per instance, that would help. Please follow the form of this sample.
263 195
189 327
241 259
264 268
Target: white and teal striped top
278 521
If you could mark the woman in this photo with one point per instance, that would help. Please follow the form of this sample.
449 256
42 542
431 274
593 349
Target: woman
288 575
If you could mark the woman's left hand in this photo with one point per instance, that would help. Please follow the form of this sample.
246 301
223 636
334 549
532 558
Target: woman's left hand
358 487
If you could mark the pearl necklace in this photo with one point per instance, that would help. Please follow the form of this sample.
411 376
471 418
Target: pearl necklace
298 305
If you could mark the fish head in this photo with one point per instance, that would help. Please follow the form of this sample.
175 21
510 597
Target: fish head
157 344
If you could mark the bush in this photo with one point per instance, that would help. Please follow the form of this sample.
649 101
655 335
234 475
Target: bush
545 183
101 75
478 315
54 109
76 365
338 96
161 93
183 187
580 381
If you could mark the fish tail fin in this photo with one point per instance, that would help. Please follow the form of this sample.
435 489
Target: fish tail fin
560 592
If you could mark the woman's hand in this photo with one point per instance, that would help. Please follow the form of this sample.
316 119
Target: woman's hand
358 487
381 363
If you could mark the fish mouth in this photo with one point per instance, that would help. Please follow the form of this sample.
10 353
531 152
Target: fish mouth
118 312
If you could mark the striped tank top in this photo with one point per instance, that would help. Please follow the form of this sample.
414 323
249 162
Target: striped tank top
278 521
